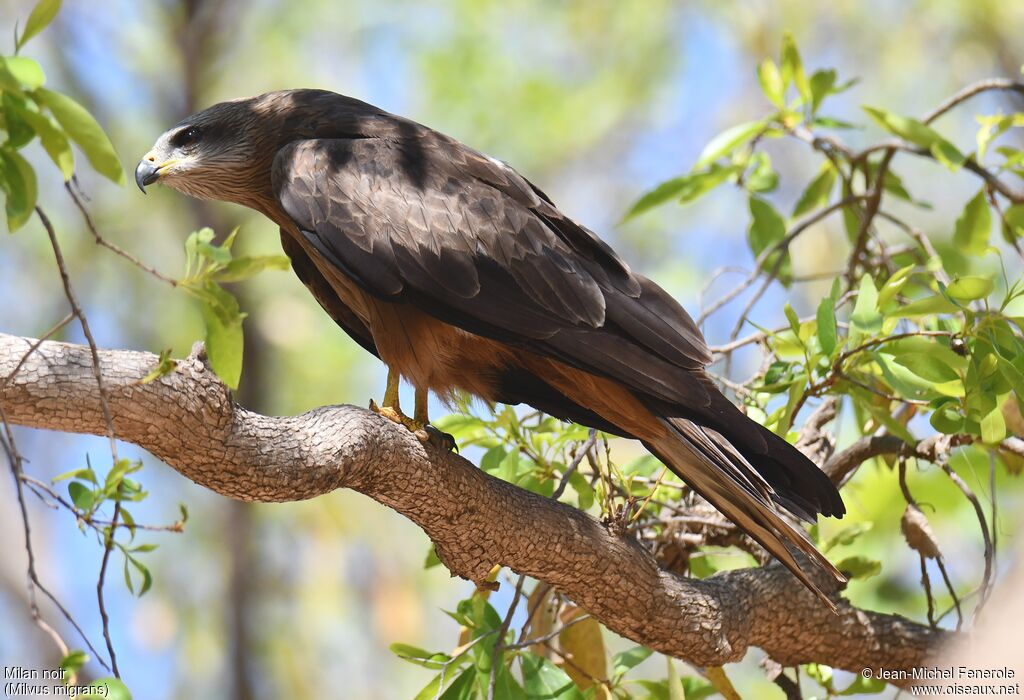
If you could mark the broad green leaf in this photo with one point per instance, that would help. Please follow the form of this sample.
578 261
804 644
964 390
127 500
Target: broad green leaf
818 191
147 578
822 84
624 661
27 72
767 226
771 82
420 657
20 186
828 332
761 177
81 496
73 661
864 686
1014 218
935 304
970 288
53 140
85 131
542 680
919 134
462 688
19 131
246 267
974 226
893 285
685 188
727 141
858 567
793 67
41 16
224 338
865 316
928 366
847 536
83 473
993 426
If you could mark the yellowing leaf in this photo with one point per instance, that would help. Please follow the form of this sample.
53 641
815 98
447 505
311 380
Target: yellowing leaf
584 646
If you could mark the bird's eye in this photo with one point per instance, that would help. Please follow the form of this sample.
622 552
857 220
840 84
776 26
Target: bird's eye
186 137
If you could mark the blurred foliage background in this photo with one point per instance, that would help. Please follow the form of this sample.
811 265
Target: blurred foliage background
596 101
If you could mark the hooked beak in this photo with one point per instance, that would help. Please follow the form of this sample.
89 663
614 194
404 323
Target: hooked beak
149 171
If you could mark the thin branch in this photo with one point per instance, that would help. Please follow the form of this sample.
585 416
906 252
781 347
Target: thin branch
188 419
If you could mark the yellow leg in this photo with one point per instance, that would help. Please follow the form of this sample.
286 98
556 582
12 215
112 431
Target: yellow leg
419 424
419 413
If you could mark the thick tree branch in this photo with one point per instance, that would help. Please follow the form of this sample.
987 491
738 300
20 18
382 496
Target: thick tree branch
189 420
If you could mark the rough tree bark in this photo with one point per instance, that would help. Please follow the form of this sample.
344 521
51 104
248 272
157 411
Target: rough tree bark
189 420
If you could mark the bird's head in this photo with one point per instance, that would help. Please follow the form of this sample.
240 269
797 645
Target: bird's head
221 153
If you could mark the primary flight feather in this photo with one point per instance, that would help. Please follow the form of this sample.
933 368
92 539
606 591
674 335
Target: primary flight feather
460 274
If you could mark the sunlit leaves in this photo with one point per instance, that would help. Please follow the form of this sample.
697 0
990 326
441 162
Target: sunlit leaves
817 193
770 78
859 567
974 226
727 141
207 266
85 132
19 184
920 134
685 188
970 288
40 17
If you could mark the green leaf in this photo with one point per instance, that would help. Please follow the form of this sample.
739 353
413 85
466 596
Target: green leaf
624 661
684 189
993 426
82 496
462 688
19 181
542 680
822 85
828 331
147 578
767 227
928 366
420 657
73 662
83 473
1014 220
725 142
864 686
865 316
970 288
52 138
224 338
27 72
935 304
41 16
85 131
858 567
919 134
793 67
974 226
818 191
771 82
246 267
847 536
893 285
19 131
761 177
164 366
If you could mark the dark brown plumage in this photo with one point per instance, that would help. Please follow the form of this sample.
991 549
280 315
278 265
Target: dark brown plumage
461 275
